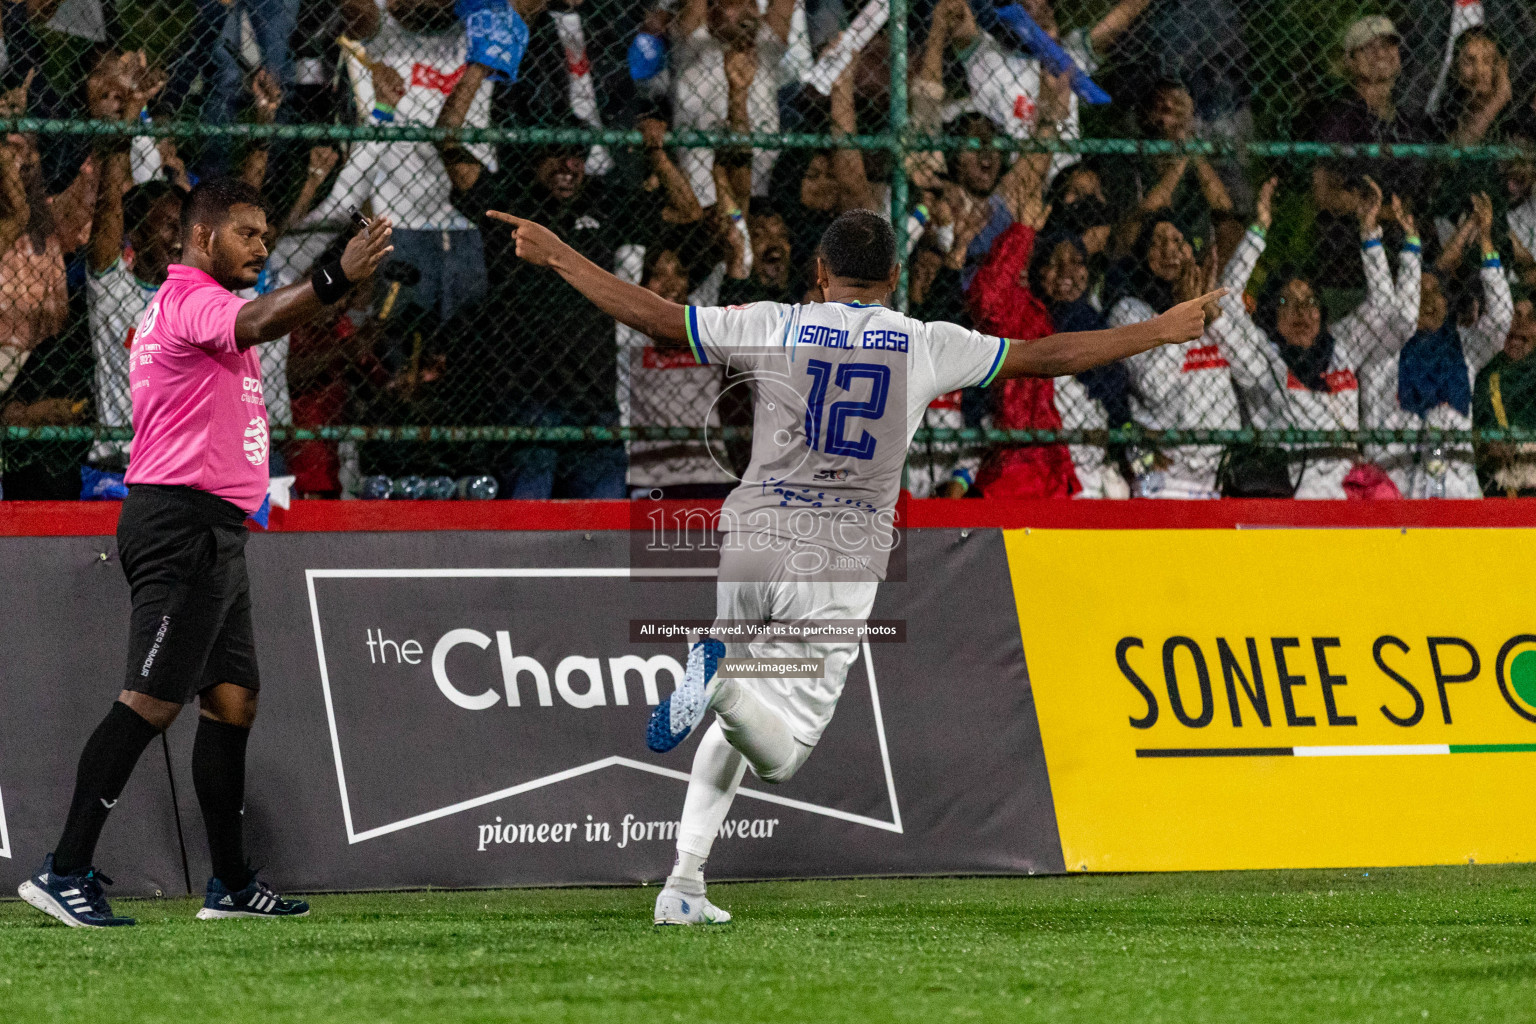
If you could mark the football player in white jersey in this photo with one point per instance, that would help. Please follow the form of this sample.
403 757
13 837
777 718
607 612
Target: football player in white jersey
840 387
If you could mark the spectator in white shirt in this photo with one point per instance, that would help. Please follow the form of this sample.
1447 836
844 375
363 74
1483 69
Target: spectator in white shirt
1005 83
1291 367
416 57
1175 387
1520 194
119 290
708 34
1429 383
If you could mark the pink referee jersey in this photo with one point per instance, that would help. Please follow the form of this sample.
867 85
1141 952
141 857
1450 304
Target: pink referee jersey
199 419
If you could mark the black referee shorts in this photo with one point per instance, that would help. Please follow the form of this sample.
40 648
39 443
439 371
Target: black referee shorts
183 551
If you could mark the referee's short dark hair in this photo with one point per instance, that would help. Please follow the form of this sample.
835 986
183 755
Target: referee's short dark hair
859 246
209 202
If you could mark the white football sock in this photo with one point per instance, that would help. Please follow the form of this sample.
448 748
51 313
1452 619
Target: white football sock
717 771
689 867
759 732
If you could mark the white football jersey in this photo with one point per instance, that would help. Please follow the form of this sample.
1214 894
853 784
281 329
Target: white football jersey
840 389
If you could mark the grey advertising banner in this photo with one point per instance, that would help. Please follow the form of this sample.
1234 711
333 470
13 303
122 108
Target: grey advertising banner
469 709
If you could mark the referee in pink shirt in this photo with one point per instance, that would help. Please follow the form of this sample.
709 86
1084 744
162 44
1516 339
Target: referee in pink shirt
198 467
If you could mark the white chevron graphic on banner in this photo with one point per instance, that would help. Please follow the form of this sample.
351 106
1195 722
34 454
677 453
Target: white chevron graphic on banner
5 837
355 835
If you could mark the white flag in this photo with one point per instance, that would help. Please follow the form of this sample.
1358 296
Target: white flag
870 21
1465 14
583 93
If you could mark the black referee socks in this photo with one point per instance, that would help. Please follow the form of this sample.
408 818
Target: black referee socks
105 764
218 775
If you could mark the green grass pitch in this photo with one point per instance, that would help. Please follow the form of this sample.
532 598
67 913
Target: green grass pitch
1438 944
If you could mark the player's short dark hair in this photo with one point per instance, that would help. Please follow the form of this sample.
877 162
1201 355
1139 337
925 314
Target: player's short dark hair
141 199
859 246
210 201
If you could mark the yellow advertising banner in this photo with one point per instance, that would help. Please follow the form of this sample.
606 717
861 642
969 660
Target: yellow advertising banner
1283 698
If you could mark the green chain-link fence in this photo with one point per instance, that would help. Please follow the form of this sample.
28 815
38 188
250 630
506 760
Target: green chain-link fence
700 147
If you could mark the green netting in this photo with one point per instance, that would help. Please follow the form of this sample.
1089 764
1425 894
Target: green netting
705 168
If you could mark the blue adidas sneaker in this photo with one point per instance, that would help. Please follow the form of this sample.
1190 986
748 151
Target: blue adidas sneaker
255 900
674 718
77 900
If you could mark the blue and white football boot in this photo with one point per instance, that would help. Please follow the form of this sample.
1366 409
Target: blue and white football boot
77 900
255 900
676 716
674 907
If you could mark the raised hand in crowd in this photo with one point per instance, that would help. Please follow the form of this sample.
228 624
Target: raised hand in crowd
1525 263
18 211
1022 185
970 216
1108 30
175 167
322 161
266 96
1403 217
926 92
740 71
1210 272
1477 224
1190 281
1368 212
13 102
388 87
1264 205
728 223
1482 215
1055 100
682 205
121 86
848 162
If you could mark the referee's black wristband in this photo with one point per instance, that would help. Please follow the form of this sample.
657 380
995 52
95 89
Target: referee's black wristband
330 283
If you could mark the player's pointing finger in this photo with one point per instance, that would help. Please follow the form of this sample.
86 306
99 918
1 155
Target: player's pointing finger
505 218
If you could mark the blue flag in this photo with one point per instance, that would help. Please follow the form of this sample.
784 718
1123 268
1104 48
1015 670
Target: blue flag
1050 54
498 36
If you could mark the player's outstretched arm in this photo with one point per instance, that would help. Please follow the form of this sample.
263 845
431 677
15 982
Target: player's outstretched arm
629 304
278 312
1062 354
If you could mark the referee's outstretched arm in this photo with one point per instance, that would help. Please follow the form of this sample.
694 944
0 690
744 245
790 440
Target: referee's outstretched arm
1059 355
223 231
629 304
278 312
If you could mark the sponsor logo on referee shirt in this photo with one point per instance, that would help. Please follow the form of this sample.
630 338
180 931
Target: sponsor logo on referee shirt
256 441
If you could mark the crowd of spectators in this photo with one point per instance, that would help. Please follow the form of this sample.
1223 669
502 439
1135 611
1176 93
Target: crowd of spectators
1393 295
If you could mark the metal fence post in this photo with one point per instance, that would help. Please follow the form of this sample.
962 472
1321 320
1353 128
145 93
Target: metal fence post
896 139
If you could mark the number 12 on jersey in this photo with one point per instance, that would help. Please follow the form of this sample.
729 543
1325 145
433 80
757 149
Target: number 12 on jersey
837 415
